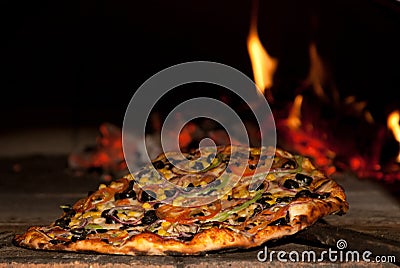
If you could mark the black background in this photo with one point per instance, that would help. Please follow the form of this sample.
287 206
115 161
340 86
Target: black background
79 62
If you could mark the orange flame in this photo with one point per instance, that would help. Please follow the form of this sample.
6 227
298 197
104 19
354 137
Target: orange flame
294 120
393 123
263 65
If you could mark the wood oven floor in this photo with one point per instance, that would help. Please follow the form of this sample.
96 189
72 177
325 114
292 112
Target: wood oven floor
32 188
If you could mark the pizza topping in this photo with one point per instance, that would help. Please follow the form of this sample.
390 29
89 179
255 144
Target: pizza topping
246 203
147 195
188 214
304 179
149 217
291 184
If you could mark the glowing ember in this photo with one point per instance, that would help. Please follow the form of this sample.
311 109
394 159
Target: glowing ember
264 66
393 124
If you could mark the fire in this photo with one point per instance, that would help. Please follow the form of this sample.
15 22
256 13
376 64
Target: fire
263 65
294 118
393 123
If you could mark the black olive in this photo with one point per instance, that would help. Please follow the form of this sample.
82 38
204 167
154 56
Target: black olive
303 193
130 194
324 195
252 167
66 219
304 179
66 208
210 158
216 183
105 240
291 184
252 187
77 231
63 222
229 198
169 193
149 217
147 196
105 214
241 219
158 164
289 164
264 203
280 221
198 166
189 187
155 206
285 199
186 237
101 231
256 211
55 242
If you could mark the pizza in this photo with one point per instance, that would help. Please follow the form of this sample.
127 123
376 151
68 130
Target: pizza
229 197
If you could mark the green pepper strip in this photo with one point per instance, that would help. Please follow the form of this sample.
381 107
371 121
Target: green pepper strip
94 227
224 215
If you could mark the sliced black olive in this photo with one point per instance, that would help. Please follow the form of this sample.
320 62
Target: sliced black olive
304 179
280 221
106 214
147 196
256 211
66 219
210 158
158 164
289 164
241 219
209 192
252 167
55 242
303 193
66 208
189 187
169 193
285 199
229 198
186 237
78 231
324 195
101 231
149 217
63 222
216 183
198 166
130 194
291 184
264 203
